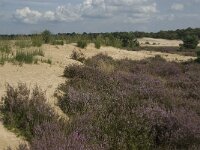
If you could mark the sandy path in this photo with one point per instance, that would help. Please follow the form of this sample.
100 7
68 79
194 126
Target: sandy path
48 77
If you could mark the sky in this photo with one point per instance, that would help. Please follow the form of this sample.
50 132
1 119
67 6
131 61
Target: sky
63 16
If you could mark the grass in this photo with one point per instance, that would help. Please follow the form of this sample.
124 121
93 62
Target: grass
23 43
27 56
97 44
82 44
37 41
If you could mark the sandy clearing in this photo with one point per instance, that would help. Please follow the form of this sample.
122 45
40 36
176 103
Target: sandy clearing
8 138
48 77
159 42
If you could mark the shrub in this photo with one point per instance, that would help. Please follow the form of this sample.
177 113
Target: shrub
23 110
37 41
97 44
78 55
190 41
82 44
46 36
136 106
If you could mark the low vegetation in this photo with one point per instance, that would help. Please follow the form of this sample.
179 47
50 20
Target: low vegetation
113 104
27 56
82 44
78 56
23 110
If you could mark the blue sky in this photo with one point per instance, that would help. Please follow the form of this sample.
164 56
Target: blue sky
33 16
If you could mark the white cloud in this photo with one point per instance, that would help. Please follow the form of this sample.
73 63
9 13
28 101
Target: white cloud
27 15
134 10
177 7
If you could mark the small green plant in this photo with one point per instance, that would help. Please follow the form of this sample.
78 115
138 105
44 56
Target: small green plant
82 44
27 56
5 47
36 41
97 44
3 58
23 43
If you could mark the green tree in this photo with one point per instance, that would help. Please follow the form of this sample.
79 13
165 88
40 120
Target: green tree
46 36
190 41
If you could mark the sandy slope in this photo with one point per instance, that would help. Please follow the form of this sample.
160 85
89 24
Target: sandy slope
48 77
159 42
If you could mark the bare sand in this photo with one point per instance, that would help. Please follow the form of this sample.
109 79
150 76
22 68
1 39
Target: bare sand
48 77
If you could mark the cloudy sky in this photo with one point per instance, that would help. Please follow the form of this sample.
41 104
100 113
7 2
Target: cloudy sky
33 16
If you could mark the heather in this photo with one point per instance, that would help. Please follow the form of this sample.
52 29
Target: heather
148 104
112 104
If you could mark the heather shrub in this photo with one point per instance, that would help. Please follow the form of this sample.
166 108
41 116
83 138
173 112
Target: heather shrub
78 55
147 104
22 109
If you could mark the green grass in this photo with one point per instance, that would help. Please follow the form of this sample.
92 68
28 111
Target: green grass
3 58
37 41
97 44
23 43
28 57
82 44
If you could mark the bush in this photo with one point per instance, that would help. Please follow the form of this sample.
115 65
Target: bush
97 44
82 44
23 110
37 41
78 55
190 41
135 106
46 36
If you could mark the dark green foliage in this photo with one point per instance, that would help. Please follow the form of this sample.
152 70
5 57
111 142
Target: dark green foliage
82 44
190 41
198 55
46 36
23 110
97 44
